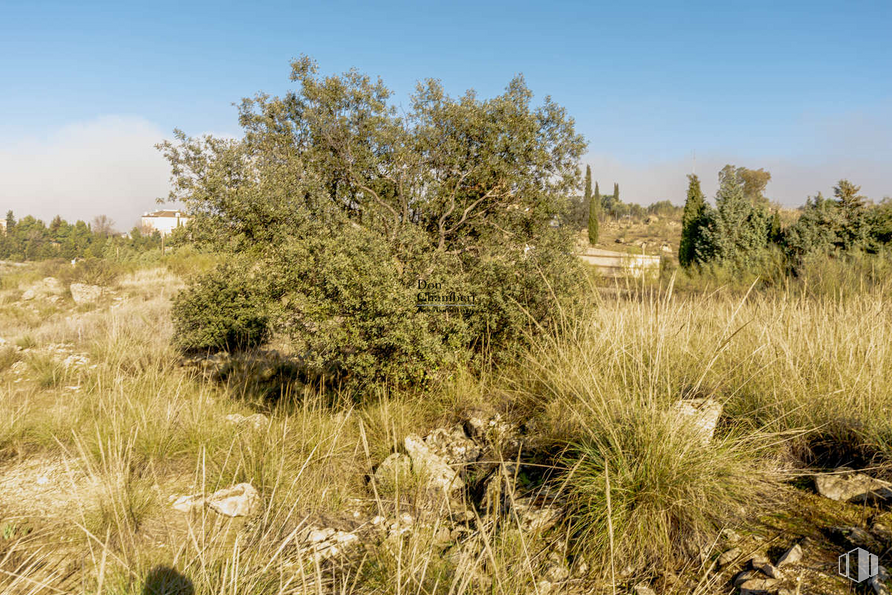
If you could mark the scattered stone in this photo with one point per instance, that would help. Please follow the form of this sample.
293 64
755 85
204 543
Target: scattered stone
729 556
878 582
881 532
82 293
730 535
393 472
791 556
644 590
453 445
758 586
704 414
850 537
188 503
239 500
852 487
770 570
534 516
257 421
745 576
432 466
757 561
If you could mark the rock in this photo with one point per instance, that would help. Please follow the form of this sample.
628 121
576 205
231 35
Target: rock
852 487
257 421
730 535
534 516
729 556
852 537
881 532
239 500
29 295
745 576
757 561
791 556
432 466
492 429
188 503
322 543
394 472
878 586
85 294
644 590
758 586
770 570
703 414
453 445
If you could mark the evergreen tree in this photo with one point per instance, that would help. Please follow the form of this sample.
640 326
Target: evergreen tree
593 208
588 184
691 222
616 200
852 206
10 221
740 229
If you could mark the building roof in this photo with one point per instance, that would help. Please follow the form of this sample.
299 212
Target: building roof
164 214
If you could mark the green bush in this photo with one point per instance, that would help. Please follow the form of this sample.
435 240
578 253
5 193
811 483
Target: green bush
343 208
222 310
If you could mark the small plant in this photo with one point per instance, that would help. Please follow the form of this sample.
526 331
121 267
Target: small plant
48 372
26 342
8 356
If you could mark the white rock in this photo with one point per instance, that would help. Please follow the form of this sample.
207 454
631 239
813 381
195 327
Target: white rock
188 503
432 466
239 500
758 586
791 556
257 421
852 487
704 414
394 472
82 293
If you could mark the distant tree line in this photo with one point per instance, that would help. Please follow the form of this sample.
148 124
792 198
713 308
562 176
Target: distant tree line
30 238
586 211
743 231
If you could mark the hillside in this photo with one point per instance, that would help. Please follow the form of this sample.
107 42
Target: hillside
122 460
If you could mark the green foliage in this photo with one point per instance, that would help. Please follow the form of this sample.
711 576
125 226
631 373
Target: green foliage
665 496
221 310
691 222
735 234
343 205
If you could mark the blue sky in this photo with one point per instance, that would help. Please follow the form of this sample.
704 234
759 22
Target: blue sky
801 88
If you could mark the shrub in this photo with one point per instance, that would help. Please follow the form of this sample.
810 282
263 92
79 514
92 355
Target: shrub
344 206
222 310
668 495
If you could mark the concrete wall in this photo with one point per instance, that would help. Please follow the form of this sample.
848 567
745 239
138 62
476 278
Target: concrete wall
621 264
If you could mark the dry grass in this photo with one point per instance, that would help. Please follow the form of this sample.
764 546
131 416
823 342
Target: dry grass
802 379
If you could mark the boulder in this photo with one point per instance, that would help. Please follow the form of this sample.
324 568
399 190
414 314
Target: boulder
453 445
257 421
851 487
188 503
703 414
791 556
239 500
428 464
759 586
82 293
729 556
534 516
393 472
851 537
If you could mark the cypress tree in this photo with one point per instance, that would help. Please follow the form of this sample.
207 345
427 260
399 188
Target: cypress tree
10 221
616 193
588 184
593 208
691 222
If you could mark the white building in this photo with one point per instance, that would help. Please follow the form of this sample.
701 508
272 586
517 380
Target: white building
163 221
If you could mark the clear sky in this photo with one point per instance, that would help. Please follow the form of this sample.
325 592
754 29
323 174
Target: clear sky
803 89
